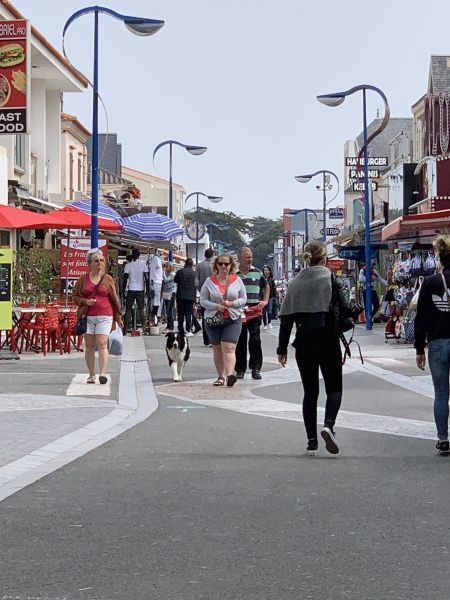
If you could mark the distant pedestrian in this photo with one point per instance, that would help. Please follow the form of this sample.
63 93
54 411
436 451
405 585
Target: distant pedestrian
223 297
156 282
168 293
375 279
268 309
136 276
203 271
257 298
317 345
97 292
432 323
186 293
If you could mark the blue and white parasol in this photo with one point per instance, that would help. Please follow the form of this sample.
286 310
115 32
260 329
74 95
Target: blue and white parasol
151 226
104 211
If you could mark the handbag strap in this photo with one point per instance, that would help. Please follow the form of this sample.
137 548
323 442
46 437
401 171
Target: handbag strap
445 288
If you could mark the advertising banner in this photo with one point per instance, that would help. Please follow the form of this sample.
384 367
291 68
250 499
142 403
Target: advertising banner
15 62
73 262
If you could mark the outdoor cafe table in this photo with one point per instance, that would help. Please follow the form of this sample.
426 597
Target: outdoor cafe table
18 314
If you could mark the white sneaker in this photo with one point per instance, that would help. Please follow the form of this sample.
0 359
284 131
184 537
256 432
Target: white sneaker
265 327
330 440
190 334
270 326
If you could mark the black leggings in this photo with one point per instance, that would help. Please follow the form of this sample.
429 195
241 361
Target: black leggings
319 350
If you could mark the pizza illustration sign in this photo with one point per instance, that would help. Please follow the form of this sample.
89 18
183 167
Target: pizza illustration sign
14 69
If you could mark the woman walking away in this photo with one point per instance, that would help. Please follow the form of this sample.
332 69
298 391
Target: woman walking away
433 324
317 345
185 282
168 294
95 295
223 297
268 309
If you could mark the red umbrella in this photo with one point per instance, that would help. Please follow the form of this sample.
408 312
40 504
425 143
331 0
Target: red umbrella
71 218
16 218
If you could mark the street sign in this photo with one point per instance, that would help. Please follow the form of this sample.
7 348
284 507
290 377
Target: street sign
336 213
331 231
336 264
15 63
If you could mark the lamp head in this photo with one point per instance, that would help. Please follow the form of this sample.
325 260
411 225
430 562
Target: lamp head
196 150
215 199
331 99
143 27
303 178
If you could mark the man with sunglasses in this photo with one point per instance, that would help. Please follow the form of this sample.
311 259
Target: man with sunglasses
258 293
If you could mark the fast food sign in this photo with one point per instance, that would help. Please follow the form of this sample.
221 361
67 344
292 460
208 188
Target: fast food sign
14 76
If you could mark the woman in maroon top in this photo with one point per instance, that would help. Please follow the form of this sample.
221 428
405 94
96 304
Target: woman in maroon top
97 292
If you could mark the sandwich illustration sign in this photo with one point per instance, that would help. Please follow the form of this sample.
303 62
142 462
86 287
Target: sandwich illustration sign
14 75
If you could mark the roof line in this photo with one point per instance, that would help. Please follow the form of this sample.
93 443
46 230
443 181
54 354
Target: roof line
37 34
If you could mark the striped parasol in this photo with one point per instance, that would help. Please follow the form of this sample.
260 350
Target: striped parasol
104 211
151 226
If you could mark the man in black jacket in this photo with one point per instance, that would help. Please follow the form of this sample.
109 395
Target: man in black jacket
186 292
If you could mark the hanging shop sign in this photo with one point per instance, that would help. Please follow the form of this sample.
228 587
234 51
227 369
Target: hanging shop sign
73 263
15 62
331 231
336 264
336 213
351 253
360 186
374 161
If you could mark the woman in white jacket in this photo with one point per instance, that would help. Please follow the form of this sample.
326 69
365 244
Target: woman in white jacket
223 297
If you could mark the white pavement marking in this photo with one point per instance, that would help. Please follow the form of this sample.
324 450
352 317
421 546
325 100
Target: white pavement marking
277 409
79 387
27 402
137 401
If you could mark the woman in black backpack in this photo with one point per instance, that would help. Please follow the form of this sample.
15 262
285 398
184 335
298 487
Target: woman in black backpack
317 345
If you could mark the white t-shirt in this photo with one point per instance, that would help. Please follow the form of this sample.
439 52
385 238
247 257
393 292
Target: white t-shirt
135 271
156 272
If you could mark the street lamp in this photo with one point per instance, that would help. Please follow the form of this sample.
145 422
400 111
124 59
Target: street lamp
215 200
325 173
137 25
194 150
336 99
293 235
306 211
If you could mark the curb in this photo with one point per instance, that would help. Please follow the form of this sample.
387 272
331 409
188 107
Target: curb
137 402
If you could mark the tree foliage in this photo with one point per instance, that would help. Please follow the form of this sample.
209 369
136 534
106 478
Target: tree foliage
259 233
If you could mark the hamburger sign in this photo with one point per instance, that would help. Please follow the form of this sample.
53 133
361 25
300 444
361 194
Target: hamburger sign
14 70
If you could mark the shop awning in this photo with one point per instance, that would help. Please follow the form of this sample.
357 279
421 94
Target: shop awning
436 220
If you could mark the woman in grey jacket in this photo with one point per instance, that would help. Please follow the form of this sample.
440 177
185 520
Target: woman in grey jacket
224 293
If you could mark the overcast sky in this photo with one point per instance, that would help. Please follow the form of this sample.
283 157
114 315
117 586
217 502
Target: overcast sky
241 77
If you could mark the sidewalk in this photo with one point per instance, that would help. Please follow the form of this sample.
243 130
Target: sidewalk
49 415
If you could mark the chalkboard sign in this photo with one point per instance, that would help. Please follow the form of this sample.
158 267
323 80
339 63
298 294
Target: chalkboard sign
5 283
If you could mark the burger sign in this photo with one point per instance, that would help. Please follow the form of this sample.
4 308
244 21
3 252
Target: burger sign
14 38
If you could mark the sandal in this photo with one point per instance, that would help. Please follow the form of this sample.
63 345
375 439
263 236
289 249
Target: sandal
219 382
231 380
91 379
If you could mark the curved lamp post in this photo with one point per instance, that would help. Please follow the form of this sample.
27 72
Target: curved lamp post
209 227
139 26
215 200
308 177
194 150
335 99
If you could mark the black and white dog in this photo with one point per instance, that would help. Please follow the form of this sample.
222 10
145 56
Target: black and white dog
177 349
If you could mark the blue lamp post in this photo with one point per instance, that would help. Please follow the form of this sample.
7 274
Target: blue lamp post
336 99
215 199
194 150
324 173
137 25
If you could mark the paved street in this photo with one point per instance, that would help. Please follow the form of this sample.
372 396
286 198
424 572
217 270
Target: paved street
212 496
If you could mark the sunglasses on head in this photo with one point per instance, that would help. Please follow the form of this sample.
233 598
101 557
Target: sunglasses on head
223 264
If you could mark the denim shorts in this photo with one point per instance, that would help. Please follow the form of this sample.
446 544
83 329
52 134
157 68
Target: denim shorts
229 332
99 325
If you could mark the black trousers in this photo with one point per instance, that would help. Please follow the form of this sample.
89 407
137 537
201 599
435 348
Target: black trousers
375 302
250 334
133 295
184 309
316 350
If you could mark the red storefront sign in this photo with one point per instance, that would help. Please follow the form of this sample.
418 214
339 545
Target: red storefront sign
73 253
337 264
14 76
